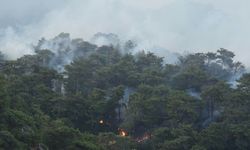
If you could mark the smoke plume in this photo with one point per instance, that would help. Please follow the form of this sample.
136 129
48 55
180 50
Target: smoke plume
176 25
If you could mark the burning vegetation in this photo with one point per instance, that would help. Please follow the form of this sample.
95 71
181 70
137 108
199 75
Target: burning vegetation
122 132
101 122
117 100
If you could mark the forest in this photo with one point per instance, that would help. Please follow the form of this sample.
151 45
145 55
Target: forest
74 95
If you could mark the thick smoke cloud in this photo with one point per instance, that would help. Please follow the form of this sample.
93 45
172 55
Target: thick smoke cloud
16 12
177 25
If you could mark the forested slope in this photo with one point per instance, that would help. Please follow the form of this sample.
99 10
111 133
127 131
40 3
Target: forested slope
82 96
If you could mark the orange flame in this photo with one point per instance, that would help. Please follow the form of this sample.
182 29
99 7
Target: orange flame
122 132
101 121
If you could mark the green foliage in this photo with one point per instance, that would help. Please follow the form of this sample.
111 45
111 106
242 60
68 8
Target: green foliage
104 91
183 138
8 141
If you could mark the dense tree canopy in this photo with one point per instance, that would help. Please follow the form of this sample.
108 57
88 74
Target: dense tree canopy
110 99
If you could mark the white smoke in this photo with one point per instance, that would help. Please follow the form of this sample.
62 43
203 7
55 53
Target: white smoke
13 45
177 25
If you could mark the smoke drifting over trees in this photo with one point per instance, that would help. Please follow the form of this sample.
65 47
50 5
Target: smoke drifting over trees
127 74
73 94
176 25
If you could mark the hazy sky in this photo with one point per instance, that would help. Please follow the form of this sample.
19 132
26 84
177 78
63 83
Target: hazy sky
177 25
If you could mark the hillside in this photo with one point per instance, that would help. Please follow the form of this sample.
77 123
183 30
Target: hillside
73 94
